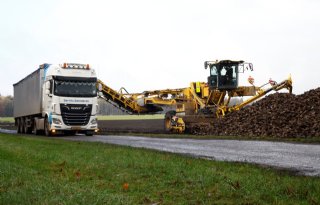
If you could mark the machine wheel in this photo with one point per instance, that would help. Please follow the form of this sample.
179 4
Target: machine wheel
168 119
46 127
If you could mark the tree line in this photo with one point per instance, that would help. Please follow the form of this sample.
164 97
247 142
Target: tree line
6 106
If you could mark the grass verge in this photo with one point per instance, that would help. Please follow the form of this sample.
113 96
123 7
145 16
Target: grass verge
7 119
49 171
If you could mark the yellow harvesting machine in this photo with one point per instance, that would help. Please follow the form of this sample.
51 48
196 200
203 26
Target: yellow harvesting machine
202 100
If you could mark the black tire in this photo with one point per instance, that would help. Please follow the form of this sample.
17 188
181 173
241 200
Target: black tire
46 127
35 130
27 130
19 126
22 126
167 120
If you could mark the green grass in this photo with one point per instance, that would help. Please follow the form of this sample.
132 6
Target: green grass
7 119
131 117
50 171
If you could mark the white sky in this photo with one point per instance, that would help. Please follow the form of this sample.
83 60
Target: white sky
145 45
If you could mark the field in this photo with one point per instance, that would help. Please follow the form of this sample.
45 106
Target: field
7 119
131 117
49 171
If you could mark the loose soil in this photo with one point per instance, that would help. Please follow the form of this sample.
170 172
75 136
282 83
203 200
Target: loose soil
131 126
277 115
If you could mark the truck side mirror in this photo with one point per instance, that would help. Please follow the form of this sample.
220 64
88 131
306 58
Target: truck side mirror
48 88
100 87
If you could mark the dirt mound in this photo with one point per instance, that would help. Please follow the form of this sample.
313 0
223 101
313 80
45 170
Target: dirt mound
279 115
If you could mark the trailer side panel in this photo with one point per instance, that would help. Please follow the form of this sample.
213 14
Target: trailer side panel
28 95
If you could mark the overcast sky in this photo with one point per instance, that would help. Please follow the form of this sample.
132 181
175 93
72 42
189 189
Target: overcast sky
145 44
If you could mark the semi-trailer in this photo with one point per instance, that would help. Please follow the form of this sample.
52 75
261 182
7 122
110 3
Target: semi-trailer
57 99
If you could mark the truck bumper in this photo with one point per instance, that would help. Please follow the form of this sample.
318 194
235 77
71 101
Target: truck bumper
57 125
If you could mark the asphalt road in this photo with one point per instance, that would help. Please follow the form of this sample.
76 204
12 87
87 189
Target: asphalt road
301 158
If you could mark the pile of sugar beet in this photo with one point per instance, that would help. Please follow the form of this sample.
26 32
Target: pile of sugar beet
276 115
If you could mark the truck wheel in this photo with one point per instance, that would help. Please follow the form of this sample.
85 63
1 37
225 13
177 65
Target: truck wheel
19 126
22 126
27 129
35 130
46 127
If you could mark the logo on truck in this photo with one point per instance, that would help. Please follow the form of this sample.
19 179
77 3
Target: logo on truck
75 108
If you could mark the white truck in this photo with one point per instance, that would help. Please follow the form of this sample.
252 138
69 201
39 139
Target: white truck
57 99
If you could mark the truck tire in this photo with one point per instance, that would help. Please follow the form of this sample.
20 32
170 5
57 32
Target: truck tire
35 130
19 130
27 130
46 127
22 126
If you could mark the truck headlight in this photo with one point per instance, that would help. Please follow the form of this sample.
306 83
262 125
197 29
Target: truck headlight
94 121
56 121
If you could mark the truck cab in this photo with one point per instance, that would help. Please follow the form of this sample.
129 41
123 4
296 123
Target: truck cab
69 98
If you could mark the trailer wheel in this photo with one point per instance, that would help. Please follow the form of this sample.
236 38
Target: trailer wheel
19 126
23 130
46 127
27 130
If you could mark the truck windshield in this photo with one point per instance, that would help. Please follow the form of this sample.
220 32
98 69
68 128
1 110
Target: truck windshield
75 88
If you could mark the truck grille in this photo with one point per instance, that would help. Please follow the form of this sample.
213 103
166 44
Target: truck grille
75 114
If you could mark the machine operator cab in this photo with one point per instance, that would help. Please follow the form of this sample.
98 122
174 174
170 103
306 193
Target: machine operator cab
224 74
